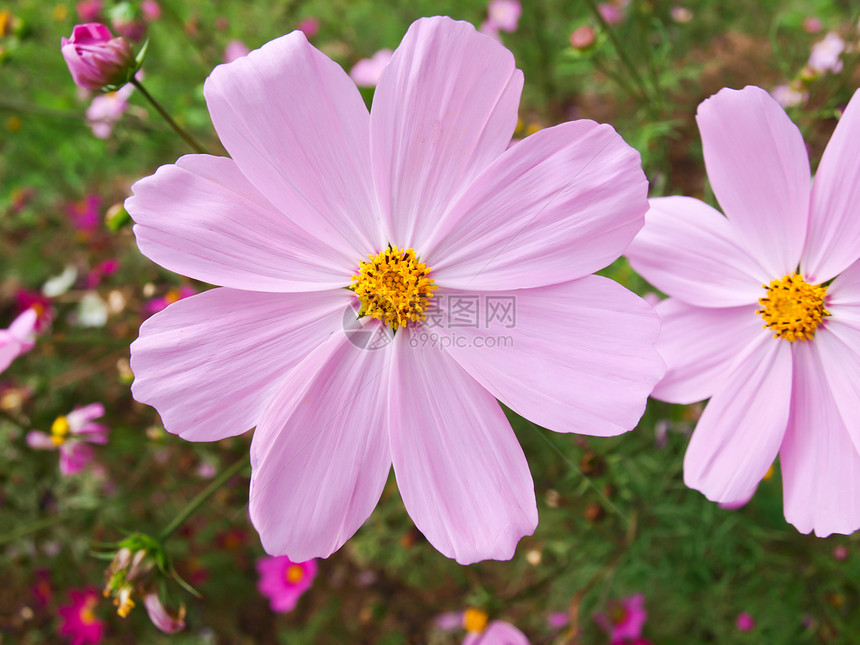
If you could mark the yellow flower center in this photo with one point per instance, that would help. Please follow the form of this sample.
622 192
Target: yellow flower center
86 615
294 574
475 620
59 430
792 308
393 287
123 602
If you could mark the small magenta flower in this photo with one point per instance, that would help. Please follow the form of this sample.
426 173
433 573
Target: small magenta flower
504 14
582 37
85 213
309 26
79 622
283 581
623 619
19 338
366 72
71 434
611 12
235 49
104 112
89 10
97 59
745 622
151 10
127 19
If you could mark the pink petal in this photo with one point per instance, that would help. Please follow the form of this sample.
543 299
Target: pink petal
39 440
367 71
202 218
298 129
94 433
24 325
587 347
210 363
699 345
834 228
461 472
10 349
79 416
320 454
444 108
759 170
691 252
559 205
738 436
820 465
838 348
74 457
498 632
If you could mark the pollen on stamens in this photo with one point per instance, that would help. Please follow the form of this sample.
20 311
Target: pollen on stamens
792 308
394 287
59 430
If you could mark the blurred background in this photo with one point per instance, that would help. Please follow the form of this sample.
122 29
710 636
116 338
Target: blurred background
616 520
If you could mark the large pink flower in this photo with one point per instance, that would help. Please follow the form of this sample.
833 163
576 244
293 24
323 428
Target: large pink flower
792 388
314 187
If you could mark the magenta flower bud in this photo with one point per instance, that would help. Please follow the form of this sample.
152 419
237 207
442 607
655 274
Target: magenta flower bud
96 59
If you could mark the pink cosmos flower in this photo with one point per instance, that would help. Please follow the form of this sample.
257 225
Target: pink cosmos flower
498 632
151 10
235 49
309 26
160 304
79 622
623 619
582 37
788 96
19 338
366 72
812 25
86 213
106 109
89 10
762 316
504 14
339 361
26 299
745 622
95 58
825 55
167 622
283 581
70 434
611 12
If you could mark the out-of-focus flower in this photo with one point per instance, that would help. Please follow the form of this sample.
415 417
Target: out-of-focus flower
623 619
788 96
169 623
127 20
612 12
70 434
103 269
79 622
480 631
745 622
761 315
812 25
235 49
309 26
449 621
367 71
92 311
42 589
558 619
96 59
19 338
583 37
26 299
86 213
159 304
59 284
840 552
151 10
314 186
825 55
490 29
21 197
681 14
89 10
283 581
104 111
504 14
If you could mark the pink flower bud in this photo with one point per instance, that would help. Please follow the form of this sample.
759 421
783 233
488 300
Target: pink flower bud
95 58
582 37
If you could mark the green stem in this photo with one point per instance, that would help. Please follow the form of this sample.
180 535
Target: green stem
205 494
622 53
182 133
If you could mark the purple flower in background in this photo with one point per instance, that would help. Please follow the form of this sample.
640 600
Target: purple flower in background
826 54
283 581
96 58
235 49
309 26
79 622
19 338
86 213
103 113
745 622
504 14
624 619
71 435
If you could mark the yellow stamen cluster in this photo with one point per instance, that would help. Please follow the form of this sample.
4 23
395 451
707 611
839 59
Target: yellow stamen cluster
294 574
475 620
59 430
792 308
86 615
393 287
123 602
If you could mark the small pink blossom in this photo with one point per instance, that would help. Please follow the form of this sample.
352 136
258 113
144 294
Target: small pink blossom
42 589
309 26
745 622
86 213
71 435
235 49
583 37
825 55
367 71
89 10
504 14
106 109
681 14
19 338
611 12
159 304
95 58
449 621
79 622
26 299
812 25
558 619
283 581
787 96
840 553
151 10
623 619
127 20
103 269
